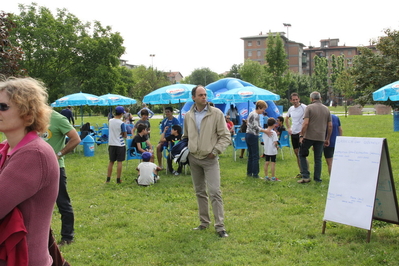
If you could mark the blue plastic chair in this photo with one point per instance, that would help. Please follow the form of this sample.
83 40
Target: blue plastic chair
239 143
131 152
284 142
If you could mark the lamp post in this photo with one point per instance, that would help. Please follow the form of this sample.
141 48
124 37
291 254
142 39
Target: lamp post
152 60
287 25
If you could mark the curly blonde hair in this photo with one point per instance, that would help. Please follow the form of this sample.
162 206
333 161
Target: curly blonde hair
30 97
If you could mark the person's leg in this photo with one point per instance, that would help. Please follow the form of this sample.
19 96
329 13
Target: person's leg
198 177
253 155
119 170
328 155
110 166
303 154
212 177
318 153
273 168
242 153
295 146
266 168
65 209
159 153
169 162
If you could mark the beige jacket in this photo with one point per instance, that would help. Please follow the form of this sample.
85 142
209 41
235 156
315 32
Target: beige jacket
214 135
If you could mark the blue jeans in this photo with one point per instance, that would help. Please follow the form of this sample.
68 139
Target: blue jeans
304 152
253 154
65 208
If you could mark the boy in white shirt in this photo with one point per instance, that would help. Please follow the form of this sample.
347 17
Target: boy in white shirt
148 171
270 152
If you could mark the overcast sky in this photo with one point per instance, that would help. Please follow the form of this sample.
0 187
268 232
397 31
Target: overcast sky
185 35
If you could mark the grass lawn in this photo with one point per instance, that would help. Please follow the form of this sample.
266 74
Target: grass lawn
269 223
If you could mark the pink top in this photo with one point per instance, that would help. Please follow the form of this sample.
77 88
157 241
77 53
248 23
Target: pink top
29 180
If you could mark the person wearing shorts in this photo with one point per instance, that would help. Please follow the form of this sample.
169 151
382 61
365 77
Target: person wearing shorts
295 117
116 144
329 151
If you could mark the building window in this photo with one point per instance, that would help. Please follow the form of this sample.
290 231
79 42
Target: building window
258 53
258 43
249 53
349 52
249 43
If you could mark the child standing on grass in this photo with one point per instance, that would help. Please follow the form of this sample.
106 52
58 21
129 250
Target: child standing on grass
148 171
270 146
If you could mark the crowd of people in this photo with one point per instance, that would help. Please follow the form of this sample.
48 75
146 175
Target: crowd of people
33 176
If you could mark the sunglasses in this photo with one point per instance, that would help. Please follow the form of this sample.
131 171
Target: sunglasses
4 107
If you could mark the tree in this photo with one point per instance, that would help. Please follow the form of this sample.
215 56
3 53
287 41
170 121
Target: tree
234 71
147 80
372 71
203 76
320 77
252 72
66 54
9 54
277 65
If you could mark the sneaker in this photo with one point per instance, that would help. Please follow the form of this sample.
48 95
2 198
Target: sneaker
298 176
176 173
303 181
275 179
267 178
201 227
223 233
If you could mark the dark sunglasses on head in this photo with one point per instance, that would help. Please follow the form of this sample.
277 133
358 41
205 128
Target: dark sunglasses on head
4 107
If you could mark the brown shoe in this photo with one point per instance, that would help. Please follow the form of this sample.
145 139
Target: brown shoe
201 227
65 242
303 181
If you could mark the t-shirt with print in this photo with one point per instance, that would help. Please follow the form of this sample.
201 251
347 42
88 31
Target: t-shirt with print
140 139
173 139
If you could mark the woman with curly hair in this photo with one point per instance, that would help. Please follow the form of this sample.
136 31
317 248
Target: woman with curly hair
29 171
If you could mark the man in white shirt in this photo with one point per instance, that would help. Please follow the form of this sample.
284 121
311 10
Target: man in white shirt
296 112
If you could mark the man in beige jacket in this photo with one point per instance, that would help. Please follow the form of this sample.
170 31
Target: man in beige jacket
208 136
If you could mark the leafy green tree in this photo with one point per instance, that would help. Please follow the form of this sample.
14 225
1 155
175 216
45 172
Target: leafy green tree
146 80
277 65
66 54
234 71
372 71
203 76
253 72
320 77
9 54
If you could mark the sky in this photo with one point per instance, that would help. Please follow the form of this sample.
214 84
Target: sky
185 35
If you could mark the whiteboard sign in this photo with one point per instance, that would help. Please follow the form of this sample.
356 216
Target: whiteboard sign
353 197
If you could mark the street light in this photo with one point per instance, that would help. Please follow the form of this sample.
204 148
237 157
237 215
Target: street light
152 60
287 25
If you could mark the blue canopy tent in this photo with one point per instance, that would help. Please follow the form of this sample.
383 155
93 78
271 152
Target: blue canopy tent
78 99
389 92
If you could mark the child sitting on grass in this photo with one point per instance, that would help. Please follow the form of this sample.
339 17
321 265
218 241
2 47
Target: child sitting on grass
148 171
270 150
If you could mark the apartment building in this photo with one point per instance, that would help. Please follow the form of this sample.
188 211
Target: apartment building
300 60
255 49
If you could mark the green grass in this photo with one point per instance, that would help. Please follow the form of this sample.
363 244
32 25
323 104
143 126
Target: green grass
268 223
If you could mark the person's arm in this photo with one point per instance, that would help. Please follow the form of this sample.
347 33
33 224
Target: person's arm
304 128
149 146
74 141
288 124
224 137
151 113
124 131
329 130
163 139
340 131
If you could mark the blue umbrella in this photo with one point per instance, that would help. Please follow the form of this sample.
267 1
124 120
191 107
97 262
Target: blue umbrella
114 99
78 99
246 94
176 93
390 91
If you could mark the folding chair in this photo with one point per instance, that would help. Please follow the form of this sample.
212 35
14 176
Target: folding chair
284 142
131 152
239 143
